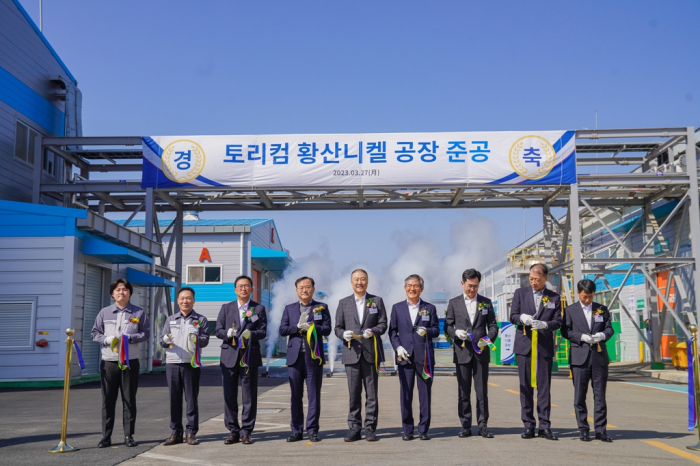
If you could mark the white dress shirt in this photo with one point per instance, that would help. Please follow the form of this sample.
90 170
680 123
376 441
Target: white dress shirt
471 307
360 304
413 310
587 311
537 295
243 307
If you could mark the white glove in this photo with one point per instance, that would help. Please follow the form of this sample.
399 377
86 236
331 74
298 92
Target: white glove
229 333
246 334
402 353
526 319
462 334
347 335
421 331
167 340
586 338
109 340
367 334
598 337
303 319
303 326
539 325
482 343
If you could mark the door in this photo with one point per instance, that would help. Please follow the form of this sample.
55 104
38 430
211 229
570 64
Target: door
92 306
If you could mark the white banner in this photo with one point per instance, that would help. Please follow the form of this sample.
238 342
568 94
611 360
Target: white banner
360 160
507 343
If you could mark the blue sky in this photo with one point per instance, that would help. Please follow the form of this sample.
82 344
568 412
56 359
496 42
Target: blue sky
225 67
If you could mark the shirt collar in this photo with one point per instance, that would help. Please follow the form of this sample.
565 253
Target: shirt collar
363 298
413 305
247 304
468 299
116 308
587 308
534 291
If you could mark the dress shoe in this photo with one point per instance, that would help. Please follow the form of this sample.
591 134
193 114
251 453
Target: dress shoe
465 433
191 440
370 436
173 440
603 437
424 436
295 438
484 432
529 432
353 435
105 442
233 438
407 437
129 441
584 435
246 440
314 438
547 433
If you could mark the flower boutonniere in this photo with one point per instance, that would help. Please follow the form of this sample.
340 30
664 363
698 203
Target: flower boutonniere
371 303
248 313
318 309
545 300
481 306
423 312
598 312
134 320
196 323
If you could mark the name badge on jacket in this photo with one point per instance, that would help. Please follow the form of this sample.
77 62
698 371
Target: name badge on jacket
425 318
485 312
318 316
550 305
373 310
598 318
254 318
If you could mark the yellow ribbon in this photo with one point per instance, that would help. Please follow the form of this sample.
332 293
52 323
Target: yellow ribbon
376 355
533 360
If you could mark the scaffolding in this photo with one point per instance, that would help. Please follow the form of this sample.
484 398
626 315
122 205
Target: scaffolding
641 174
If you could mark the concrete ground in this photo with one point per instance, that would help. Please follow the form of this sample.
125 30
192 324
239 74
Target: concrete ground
647 419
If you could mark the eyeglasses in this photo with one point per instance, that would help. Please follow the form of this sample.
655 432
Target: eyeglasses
305 288
472 287
243 287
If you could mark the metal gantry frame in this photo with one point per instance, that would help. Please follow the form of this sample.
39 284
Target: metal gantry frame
662 169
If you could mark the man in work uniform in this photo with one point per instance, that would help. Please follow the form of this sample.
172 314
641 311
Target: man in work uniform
184 336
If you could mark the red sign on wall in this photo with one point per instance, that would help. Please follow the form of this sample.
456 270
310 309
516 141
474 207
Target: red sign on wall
204 255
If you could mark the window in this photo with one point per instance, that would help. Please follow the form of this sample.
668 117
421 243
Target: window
17 331
266 281
52 164
203 274
25 143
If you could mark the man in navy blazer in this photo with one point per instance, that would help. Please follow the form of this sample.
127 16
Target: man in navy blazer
414 323
587 326
469 320
535 308
302 361
241 323
361 321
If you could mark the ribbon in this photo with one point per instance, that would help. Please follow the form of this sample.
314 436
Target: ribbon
123 361
484 338
477 350
315 352
80 355
378 358
692 414
427 372
196 360
533 360
245 359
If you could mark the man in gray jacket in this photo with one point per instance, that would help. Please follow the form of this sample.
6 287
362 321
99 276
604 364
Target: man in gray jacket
119 329
184 336
361 321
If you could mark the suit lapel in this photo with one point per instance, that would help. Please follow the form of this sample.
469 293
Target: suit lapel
593 309
418 316
310 317
463 307
366 313
353 307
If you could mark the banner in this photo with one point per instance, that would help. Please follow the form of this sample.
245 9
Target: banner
403 160
507 343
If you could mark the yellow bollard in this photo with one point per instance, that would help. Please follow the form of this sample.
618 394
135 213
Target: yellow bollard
62 446
696 371
641 351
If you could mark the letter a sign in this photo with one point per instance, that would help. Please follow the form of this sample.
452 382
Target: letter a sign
204 255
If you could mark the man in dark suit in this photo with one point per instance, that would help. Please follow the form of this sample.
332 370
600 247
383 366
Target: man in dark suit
241 323
304 361
587 326
469 321
361 321
414 324
535 309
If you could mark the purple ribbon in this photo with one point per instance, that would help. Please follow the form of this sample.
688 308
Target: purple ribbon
691 387
476 348
80 355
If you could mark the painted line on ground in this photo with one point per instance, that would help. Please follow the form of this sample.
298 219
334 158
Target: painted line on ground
659 386
174 459
675 451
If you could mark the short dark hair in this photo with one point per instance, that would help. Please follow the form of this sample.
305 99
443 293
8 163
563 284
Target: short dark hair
185 288
301 279
470 274
586 285
243 277
359 270
122 281
541 268
414 276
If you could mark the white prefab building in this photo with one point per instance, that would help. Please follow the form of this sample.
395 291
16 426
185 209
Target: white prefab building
214 253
